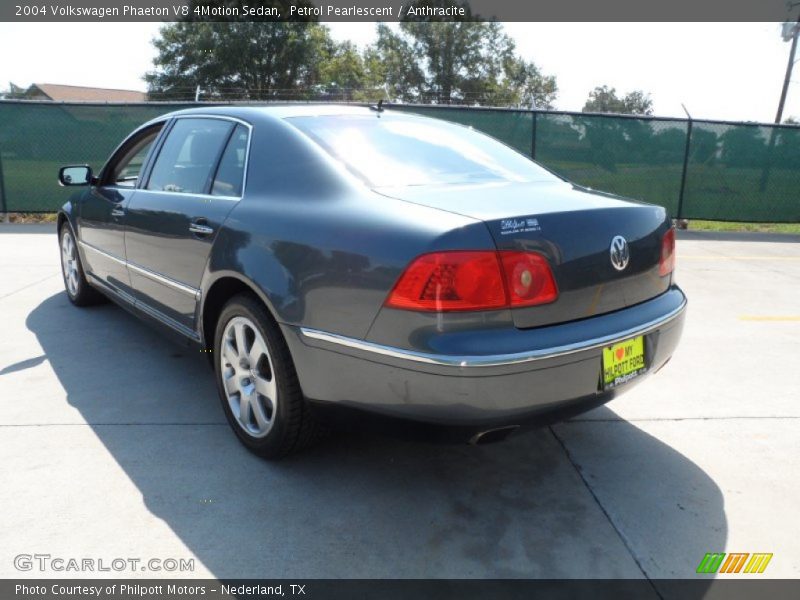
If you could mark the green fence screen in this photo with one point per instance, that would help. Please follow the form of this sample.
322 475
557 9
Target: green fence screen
698 170
695 169
36 138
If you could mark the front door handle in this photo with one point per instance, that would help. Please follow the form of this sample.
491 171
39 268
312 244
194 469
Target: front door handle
117 211
200 229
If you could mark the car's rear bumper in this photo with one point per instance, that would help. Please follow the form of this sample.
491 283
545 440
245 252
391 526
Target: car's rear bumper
516 375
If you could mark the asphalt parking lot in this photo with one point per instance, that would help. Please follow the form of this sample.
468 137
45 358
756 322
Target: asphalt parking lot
112 444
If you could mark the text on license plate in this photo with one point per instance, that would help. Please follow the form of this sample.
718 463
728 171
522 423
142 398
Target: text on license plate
623 361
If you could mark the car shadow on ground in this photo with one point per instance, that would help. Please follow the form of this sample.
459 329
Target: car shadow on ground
362 505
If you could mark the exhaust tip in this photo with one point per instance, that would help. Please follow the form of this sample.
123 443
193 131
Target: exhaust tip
491 436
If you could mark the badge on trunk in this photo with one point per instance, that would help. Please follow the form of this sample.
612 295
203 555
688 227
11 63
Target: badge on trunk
620 255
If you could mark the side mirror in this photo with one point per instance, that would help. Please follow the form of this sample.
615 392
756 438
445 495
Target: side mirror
75 175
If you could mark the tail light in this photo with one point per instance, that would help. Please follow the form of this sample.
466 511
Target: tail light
528 278
666 263
474 280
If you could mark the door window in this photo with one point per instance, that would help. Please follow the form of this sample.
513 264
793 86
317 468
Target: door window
229 179
187 159
126 167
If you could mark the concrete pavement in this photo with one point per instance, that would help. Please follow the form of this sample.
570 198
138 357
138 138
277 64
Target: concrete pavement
112 444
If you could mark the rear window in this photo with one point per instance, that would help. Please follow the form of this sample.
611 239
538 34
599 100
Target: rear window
391 151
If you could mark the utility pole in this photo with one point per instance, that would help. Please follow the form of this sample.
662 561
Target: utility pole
3 204
790 33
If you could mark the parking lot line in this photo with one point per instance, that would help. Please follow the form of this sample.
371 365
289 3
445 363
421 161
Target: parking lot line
713 257
769 317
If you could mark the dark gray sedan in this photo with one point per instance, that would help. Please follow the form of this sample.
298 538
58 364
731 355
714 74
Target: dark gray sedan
339 262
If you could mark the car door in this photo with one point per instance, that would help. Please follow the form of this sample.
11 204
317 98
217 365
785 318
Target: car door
172 220
101 221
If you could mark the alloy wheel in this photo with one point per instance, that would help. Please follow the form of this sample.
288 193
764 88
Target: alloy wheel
69 263
248 377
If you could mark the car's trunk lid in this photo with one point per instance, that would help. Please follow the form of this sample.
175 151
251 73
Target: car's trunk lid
573 227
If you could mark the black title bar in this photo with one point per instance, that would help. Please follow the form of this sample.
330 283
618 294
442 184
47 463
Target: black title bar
701 587
395 10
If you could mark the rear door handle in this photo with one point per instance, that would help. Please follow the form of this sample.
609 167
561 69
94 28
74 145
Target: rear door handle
200 229
117 212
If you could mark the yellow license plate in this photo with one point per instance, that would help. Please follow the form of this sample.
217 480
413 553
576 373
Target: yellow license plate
623 361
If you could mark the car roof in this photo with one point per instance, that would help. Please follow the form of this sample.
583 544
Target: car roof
277 111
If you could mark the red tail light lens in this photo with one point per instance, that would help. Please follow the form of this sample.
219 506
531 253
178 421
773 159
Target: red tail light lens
529 278
667 262
445 281
473 280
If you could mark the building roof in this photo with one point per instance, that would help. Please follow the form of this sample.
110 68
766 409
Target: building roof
75 93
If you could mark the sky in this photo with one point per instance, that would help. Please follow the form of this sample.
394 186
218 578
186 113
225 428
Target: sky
729 71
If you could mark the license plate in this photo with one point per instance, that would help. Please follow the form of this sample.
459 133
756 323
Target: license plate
623 362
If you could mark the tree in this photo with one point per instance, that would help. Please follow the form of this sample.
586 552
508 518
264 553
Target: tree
247 60
456 61
390 63
604 99
527 86
638 103
342 74
426 60
14 92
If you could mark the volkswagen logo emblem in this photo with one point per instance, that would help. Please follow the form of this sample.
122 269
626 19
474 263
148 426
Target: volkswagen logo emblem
619 252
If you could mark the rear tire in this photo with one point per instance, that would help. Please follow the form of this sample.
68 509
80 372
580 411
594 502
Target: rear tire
257 381
79 292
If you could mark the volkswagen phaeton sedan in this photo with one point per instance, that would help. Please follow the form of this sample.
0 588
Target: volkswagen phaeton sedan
356 261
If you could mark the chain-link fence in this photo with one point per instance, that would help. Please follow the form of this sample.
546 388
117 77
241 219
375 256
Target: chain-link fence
36 138
695 169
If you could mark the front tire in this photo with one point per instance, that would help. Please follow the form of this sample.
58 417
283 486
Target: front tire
257 381
79 292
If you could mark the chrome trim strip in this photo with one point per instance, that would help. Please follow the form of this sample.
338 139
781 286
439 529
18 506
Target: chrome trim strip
492 360
146 308
87 246
192 195
209 116
125 296
181 287
177 285
168 321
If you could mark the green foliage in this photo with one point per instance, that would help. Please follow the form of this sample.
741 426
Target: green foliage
456 61
525 85
425 60
604 99
342 74
390 62
242 60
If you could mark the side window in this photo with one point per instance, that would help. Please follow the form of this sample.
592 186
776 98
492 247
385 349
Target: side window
230 173
187 159
127 166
